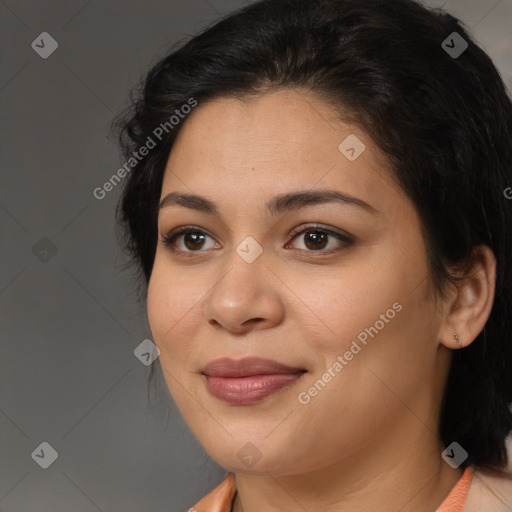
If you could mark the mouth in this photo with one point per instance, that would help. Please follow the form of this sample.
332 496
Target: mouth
249 380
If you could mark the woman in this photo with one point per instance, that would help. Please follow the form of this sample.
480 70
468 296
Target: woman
317 206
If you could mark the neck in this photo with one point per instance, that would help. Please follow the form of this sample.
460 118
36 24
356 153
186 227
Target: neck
406 474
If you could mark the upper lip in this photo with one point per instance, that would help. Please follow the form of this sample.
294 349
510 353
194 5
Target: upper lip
226 367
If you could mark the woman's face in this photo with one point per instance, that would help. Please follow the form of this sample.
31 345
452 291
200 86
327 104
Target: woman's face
352 312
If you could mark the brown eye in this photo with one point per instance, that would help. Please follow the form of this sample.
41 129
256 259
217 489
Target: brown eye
317 239
193 240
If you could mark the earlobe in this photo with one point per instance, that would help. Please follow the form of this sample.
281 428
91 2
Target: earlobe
459 342
470 307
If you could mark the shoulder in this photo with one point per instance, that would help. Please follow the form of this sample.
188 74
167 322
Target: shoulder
490 490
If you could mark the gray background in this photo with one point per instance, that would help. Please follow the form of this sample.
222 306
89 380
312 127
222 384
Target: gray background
69 319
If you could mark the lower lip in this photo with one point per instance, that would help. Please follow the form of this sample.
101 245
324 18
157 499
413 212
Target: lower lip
248 390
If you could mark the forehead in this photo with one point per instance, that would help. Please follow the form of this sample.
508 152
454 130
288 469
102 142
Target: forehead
274 143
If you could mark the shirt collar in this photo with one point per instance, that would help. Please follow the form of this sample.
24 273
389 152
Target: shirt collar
221 498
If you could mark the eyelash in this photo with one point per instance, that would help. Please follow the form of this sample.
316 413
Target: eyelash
169 240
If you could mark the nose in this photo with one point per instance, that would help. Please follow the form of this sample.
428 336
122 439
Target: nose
247 297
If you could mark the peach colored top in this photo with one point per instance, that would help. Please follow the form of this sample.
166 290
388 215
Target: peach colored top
222 497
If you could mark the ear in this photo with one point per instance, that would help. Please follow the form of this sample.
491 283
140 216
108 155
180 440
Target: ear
470 303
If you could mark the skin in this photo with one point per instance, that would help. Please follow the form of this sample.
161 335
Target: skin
368 440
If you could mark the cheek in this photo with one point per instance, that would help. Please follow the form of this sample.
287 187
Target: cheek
168 309
342 306
168 306
373 322
160 314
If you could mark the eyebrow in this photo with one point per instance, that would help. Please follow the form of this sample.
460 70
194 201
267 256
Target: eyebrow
279 204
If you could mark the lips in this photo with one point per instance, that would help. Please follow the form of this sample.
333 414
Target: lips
248 380
247 367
